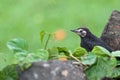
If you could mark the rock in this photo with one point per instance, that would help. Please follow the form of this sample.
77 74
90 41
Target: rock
53 70
111 33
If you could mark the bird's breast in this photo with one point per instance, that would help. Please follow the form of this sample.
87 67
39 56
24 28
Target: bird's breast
87 45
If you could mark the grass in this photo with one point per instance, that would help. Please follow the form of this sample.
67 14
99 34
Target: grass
26 18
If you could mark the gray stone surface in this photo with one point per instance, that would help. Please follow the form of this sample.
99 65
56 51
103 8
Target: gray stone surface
53 70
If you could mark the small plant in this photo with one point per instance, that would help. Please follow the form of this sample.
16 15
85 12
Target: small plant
99 62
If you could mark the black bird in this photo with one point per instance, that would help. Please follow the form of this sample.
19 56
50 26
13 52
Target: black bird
88 40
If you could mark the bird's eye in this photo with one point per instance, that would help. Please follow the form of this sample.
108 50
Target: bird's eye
81 31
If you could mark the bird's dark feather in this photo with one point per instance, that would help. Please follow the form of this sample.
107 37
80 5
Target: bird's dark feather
90 41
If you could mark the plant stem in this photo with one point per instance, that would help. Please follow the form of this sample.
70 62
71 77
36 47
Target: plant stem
75 59
46 44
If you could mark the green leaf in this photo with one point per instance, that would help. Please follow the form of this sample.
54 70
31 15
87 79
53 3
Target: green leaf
115 53
42 34
63 50
98 50
88 59
42 54
102 68
25 57
53 53
9 73
116 72
78 52
17 45
118 63
2 75
20 57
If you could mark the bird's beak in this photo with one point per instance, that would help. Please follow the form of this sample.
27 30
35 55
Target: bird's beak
75 31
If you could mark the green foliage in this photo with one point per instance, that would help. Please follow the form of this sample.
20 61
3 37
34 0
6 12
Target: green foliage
115 54
42 34
22 55
56 52
63 50
88 59
104 64
53 53
100 62
116 72
25 57
98 50
9 73
17 45
78 52
42 40
102 68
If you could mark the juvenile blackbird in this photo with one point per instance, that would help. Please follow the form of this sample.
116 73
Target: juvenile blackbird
88 40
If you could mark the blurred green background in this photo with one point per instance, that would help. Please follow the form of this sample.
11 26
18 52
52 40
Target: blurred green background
26 18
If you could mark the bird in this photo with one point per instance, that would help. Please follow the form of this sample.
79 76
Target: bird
89 40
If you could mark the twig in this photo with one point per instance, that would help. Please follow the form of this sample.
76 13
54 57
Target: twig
75 59
46 44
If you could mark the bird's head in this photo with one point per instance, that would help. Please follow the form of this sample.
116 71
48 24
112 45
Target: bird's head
82 32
